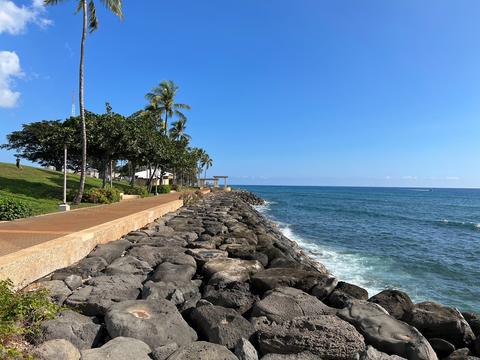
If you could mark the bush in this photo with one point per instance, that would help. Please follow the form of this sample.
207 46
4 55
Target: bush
11 209
21 314
164 189
106 195
136 190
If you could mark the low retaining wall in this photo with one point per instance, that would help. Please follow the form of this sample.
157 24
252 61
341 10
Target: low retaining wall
30 264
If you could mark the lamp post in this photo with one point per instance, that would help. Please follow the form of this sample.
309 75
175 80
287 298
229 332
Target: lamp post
64 206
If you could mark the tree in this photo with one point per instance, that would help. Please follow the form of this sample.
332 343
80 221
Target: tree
207 163
107 135
162 101
89 16
41 142
177 131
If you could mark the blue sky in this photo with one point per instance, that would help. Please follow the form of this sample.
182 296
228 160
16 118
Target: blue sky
371 92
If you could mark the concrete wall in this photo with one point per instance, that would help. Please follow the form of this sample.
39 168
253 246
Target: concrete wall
28 265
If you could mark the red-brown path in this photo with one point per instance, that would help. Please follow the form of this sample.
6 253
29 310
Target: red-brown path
21 234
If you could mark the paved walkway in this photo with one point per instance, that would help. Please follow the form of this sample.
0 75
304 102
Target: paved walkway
21 234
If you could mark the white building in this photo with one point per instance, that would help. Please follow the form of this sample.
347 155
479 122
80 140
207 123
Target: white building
142 177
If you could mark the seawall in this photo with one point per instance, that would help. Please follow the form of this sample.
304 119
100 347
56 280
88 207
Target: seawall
217 280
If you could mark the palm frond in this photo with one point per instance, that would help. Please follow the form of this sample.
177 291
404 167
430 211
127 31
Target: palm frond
79 6
52 2
92 17
114 6
183 106
180 115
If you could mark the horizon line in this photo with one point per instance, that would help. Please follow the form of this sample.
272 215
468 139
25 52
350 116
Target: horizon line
367 186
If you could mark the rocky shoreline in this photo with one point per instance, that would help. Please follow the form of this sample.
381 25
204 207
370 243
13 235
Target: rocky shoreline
216 280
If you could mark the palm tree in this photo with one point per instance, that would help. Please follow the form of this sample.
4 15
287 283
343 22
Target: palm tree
162 100
177 131
90 21
207 163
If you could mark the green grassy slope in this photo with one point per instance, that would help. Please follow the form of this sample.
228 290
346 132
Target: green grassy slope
41 188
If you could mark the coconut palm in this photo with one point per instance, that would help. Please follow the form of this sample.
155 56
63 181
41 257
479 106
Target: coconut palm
177 131
162 100
207 163
90 21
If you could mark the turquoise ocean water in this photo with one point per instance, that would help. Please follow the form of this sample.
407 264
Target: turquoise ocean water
423 241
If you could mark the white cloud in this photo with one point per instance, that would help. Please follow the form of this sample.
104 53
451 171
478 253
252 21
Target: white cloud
9 68
14 19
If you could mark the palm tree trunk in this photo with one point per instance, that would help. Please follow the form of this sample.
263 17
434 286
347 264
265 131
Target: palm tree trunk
166 123
83 169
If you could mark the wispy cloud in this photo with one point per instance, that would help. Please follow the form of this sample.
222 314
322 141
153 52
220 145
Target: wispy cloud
9 69
14 19
69 49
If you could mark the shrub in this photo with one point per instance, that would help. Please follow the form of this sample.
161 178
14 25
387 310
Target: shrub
164 189
136 190
11 209
21 314
106 195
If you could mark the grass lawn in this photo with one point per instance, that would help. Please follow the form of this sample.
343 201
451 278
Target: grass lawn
40 188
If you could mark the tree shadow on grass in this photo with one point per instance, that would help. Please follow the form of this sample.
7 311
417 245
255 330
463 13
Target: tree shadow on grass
32 189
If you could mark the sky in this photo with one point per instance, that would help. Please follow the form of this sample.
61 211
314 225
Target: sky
294 92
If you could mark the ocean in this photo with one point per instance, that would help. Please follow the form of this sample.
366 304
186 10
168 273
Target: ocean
425 242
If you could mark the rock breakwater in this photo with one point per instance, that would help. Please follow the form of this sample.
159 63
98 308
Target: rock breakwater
218 281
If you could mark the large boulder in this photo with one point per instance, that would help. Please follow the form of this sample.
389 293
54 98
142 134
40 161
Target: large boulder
167 271
326 336
442 347
85 268
183 294
476 346
163 352
82 331
175 240
128 265
241 251
437 321
57 290
386 333
286 303
280 277
235 295
371 353
202 350
155 322
461 354
344 294
324 287
103 291
228 264
58 349
120 348
215 228
396 302
111 251
221 325
73 281
244 350
226 270
473 320
155 255
305 355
